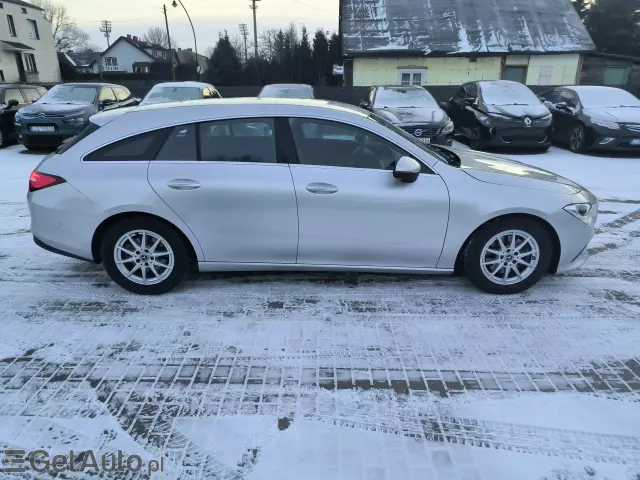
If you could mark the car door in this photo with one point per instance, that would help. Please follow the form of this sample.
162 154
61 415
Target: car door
352 212
224 180
458 110
564 118
549 99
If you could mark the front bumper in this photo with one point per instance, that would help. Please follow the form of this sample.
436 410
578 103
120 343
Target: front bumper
429 134
61 132
577 263
616 142
532 137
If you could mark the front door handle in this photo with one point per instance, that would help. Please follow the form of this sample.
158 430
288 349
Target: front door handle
320 188
183 184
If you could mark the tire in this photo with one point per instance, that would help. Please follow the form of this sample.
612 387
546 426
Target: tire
3 139
476 253
577 138
166 269
475 139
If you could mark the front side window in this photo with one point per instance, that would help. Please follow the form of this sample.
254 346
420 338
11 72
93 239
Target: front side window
333 144
206 93
568 98
12 26
13 94
33 29
30 94
180 145
241 140
107 94
70 94
30 63
122 94
143 147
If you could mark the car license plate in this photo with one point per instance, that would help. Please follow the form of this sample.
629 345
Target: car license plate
42 129
635 141
425 140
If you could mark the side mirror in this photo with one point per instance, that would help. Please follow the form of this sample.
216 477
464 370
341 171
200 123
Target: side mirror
444 105
106 102
562 106
469 100
12 103
365 104
407 170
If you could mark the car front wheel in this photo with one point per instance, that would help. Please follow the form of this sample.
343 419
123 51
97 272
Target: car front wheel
145 256
577 139
508 256
475 139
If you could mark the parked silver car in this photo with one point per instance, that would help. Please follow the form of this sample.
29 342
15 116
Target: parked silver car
158 191
288 90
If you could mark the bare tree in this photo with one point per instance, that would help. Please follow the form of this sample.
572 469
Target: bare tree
67 34
158 36
267 43
90 47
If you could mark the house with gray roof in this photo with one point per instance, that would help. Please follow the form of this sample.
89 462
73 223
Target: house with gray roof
450 42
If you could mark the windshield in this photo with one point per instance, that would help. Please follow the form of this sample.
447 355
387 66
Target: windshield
171 94
607 98
70 94
277 91
441 154
507 93
404 98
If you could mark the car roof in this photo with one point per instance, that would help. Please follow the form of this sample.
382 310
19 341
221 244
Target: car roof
183 84
19 85
198 107
403 87
301 85
90 84
590 88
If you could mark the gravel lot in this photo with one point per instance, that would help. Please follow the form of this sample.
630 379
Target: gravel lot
304 375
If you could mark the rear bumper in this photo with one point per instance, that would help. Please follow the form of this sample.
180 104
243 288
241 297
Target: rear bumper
51 249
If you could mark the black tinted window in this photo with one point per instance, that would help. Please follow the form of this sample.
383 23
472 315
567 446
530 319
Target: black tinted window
245 140
569 98
88 130
180 144
141 147
13 94
321 142
550 96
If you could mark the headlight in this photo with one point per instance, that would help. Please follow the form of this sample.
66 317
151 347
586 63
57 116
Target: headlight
484 120
448 128
547 117
75 120
605 123
18 118
587 212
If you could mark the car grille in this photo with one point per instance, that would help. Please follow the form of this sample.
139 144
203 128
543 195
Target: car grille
523 138
424 131
634 127
42 115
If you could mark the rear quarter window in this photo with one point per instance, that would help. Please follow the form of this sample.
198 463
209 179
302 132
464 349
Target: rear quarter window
143 147
88 130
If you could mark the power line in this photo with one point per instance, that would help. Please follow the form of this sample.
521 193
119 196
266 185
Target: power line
311 6
106 29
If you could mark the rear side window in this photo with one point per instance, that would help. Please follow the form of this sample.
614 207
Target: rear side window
180 145
143 147
244 140
88 130
13 94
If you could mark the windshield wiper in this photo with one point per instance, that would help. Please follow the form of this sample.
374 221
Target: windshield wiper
628 106
449 157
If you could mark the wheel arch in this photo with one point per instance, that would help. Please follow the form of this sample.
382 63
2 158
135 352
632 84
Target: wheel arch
114 219
553 235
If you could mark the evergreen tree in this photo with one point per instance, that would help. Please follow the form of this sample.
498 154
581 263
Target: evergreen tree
224 66
303 59
614 26
322 68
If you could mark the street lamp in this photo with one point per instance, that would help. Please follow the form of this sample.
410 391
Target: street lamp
195 41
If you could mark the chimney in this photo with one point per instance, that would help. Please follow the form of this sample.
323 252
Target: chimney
128 36
189 50
135 39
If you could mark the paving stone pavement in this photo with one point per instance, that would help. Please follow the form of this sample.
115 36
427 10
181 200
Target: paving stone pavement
384 354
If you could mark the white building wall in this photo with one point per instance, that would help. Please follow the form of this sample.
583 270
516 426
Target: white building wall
43 50
126 54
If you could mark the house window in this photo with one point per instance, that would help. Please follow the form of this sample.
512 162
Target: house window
111 62
141 68
515 74
412 77
33 29
30 63
1 5
545 76
12 26
1 72
616 76
24 10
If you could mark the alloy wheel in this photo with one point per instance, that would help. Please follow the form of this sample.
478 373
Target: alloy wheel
144 257
577 138
509 257
475 139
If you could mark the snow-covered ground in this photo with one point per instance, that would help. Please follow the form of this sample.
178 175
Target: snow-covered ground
323 376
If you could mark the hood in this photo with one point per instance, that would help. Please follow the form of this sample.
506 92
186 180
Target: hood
61 108
492 169
518 111
418 116
622 114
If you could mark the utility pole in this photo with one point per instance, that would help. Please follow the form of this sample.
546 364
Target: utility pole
245 32
106 29
166 22
254 7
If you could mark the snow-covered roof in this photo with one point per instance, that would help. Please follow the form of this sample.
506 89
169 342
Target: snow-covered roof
462 26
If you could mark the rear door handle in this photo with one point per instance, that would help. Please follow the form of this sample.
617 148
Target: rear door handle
320 188
183 184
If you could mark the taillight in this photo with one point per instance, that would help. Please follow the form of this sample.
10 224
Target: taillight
38 181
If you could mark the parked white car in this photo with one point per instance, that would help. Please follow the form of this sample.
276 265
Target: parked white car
158 191
180 92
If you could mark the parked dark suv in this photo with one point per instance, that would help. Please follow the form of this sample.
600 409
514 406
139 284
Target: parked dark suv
64 111
500 113
13 98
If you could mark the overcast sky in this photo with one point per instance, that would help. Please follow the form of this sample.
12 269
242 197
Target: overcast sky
209 17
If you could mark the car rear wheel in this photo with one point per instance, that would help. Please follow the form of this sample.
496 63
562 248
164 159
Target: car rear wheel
145 256
3 139
508 256
577 139
475 139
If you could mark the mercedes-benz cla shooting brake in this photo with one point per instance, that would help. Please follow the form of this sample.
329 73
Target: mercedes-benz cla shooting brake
158 191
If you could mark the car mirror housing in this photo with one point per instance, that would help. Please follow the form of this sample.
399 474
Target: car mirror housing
12 103
444 105
562 106
407 170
